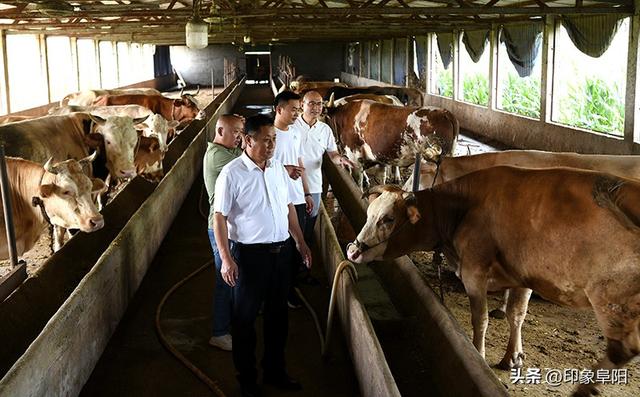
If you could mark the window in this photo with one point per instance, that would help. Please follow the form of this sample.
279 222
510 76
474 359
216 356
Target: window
441 81
385 61
27 83
126 70
589 92
108 64
400 62
63 78
474 76
148 51
515 94
89 77
374 60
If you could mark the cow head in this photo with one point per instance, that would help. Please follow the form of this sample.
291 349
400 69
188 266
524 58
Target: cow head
119 137
158 126
186 108
67 195
390 216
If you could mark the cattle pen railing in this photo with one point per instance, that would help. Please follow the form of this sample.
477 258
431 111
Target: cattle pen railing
54 351
455 363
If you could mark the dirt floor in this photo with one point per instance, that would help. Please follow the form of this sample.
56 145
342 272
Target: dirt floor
36 256
553 336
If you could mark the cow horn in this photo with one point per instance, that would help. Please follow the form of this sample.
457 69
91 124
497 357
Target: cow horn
197 90
49 167
181 92
331 100
89 158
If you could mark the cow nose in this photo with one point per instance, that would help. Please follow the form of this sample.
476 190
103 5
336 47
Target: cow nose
96 223
360 245
128 173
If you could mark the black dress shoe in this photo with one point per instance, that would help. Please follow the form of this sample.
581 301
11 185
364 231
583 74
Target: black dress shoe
282 382
250 390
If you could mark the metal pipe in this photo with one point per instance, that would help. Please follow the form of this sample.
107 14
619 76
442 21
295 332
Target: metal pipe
416 173
7 208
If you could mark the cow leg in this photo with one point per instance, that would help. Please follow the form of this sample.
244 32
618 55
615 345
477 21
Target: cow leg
499 312
516 312
619 317
617 355
58 237
475 283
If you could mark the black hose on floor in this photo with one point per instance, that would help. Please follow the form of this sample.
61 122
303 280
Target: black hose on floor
213 385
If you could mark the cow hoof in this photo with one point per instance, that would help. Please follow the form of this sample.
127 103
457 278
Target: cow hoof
497 313
512 361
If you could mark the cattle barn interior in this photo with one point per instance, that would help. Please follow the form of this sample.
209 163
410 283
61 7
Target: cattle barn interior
124 307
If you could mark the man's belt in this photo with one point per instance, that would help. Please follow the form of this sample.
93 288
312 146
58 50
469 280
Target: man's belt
272 248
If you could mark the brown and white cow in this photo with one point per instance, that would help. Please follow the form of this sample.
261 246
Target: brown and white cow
300 87
74 136
572 236
183 109
386 99
157 126
408 96
375 133
65 192
86 97
149 158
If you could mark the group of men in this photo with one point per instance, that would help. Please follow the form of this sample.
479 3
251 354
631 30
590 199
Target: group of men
264 182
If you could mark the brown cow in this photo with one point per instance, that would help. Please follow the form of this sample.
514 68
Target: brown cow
321 86
14 119
86 97
372 132
572 236
454 167
65 192
183 109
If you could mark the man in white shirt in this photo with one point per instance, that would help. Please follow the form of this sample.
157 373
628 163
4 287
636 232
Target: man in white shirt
254 209
287 108
316 139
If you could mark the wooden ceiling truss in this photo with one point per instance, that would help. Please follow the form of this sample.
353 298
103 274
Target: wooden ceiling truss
269 21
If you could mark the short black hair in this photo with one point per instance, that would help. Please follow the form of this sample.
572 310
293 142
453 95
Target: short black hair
253 124
284 97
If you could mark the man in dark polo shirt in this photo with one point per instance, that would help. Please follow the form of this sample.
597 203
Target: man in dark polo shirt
254 209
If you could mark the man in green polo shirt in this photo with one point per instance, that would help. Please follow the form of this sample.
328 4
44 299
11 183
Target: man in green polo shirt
223 149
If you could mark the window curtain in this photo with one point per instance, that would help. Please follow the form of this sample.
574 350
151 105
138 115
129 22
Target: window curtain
592 34
421 55
445 46
475 42
162 61
523 43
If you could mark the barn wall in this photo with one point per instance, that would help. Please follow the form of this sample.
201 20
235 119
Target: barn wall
195 65
319 61
520 132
